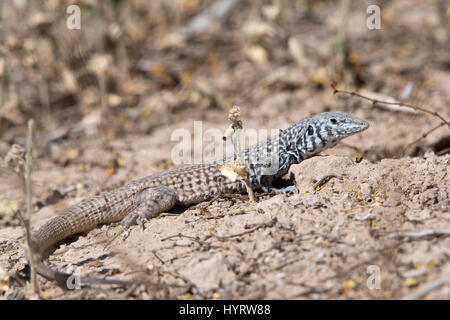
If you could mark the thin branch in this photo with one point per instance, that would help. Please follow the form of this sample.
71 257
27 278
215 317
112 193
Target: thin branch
375 101
428 288
418 235
319 184
263 225
240 168
28 197
203 21
424 135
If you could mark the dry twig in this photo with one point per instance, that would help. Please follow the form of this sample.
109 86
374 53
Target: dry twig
418 235
402 104
28 196
398 103
232 171
428 288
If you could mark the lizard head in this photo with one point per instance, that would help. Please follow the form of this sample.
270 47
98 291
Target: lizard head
323 131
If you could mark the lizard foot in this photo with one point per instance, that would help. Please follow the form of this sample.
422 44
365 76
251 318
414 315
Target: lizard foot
292 189
132 219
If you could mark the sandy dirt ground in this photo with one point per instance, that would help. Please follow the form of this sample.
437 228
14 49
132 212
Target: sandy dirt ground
391 215
378 228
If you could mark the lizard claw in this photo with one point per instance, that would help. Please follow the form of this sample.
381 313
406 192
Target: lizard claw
134 218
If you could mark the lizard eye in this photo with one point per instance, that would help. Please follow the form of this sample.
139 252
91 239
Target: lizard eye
310 130
333 120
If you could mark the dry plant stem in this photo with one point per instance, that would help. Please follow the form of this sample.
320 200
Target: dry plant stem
443 151
428 288
323 181
409 145
419 235
27 184
237 128
345 9
216 12
246 179
237 144
103 97
374 101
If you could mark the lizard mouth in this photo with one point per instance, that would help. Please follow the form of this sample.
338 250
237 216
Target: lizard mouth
362 124
359 126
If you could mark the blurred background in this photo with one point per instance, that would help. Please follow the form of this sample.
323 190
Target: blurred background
136 65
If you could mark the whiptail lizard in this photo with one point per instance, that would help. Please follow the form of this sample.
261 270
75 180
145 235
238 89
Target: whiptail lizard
149 196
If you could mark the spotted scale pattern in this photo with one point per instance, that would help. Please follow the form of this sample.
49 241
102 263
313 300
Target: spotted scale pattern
149 196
